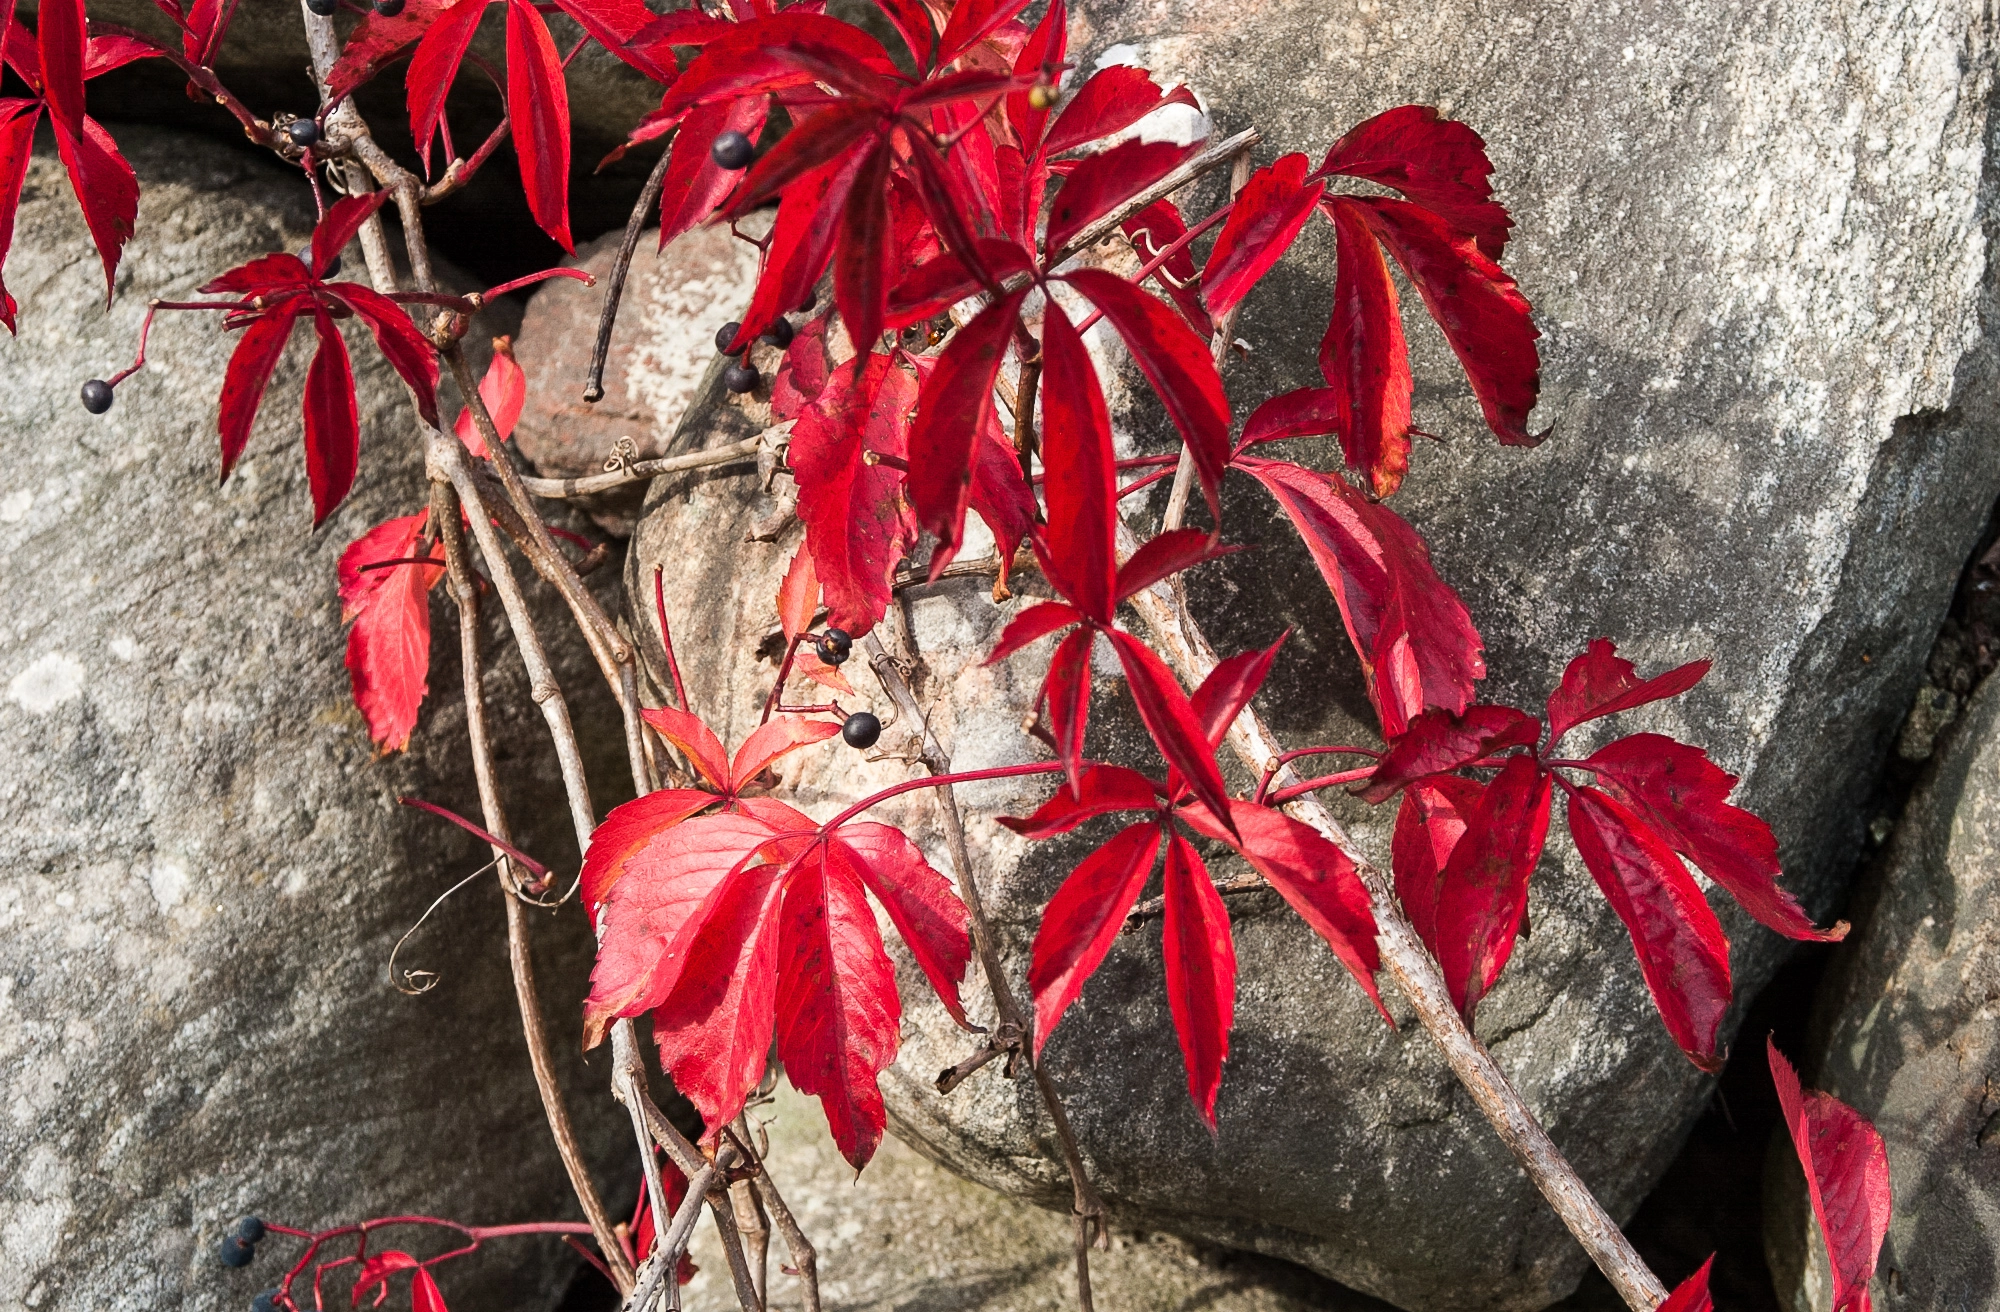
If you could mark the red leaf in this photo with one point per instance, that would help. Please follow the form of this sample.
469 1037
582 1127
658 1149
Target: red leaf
105 54
1082 920
333 428
694 183
1178 365
376 1270
1307 412
1483 892
971 22
59 29
1037 621
1364 357
1681 948
1165 555
17 140
616 25
1381 575
265 276
1078 474
696 741
715 1028
389 647
912 21
343 220
1151 231
377 40
105 187
404 346
504 389
538 108
678 27
1311 874
250 366
953 411
1847 1177
1691 1295
802 241
1112 100
1201 973
860 270
1171 720
1067 687
1683 796
1043 53
919 900
447 35
999 494
1429 823
1437 163
628 833
1102 790
654 885
1600 682
798 595
943 281
1439 741
857 524
1264 221
1230 686
776 52
837 1009
779 736
1104 181
1483 315
818 140
806 367
425 1296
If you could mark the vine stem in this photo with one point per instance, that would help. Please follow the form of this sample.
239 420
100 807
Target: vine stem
1410 964
1087 1208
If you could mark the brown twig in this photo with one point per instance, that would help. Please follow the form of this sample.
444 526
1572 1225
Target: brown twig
593 386
751 1222
1155 907
1087 1207
555 489
805 1258
465 593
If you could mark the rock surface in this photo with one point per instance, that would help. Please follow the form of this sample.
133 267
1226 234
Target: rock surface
1758 255
1904 1030
674 302
206 871
907 1236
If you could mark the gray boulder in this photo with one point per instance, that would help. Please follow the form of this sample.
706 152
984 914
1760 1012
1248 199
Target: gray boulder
1903 1031
1765 368
206 867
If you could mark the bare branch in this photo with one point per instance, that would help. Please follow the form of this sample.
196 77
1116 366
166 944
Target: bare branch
643 470
593 387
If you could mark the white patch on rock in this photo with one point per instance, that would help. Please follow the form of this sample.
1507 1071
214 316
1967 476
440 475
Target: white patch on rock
124 648
169 881
14 508
48 683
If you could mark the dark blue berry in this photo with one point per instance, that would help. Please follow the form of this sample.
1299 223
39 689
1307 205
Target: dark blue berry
812 299
727 334
732 150
833 646
388 8
303 132
97 396
861 730
265 1302
778 334
740 377
248 1229
324 8
234 1252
